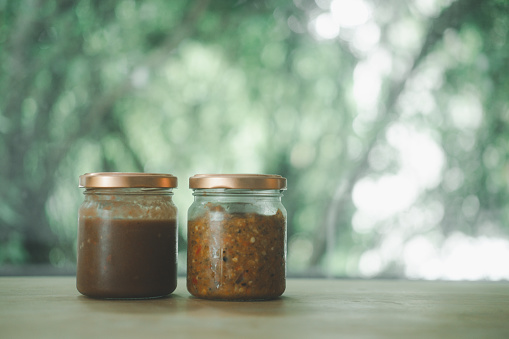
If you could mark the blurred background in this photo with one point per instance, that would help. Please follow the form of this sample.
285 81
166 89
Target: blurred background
390 120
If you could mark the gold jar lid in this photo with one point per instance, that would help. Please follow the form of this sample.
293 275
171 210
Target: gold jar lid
238 181
125 179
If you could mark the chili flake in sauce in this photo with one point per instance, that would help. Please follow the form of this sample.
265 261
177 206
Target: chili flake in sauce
236 256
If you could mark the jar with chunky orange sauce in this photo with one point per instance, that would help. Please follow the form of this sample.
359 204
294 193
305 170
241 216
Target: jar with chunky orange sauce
236 237
127 236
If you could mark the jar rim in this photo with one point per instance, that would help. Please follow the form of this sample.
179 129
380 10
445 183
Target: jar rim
238 181
127 179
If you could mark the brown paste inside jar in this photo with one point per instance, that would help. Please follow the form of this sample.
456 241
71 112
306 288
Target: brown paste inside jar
236 256
126 258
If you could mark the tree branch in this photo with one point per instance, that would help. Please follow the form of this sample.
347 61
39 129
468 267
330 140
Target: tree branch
449 18
104 105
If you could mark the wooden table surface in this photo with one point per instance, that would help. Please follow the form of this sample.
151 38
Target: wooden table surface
51 307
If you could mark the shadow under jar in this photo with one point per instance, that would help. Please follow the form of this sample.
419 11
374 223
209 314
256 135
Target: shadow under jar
236 237
127 236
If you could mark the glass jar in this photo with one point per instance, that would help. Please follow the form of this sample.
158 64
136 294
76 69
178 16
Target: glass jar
236 237
127 236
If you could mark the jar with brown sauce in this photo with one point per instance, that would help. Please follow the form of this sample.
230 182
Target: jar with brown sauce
127 236
236 237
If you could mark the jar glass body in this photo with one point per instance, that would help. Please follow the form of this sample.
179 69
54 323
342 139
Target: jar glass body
236 244
127 243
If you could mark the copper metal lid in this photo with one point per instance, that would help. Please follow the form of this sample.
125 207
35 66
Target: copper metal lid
120 179
239 181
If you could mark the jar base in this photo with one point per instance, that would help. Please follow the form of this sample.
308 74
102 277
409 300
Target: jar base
240 300
128 298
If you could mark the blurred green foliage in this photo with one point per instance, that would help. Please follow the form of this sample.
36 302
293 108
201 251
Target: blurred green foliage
418 92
